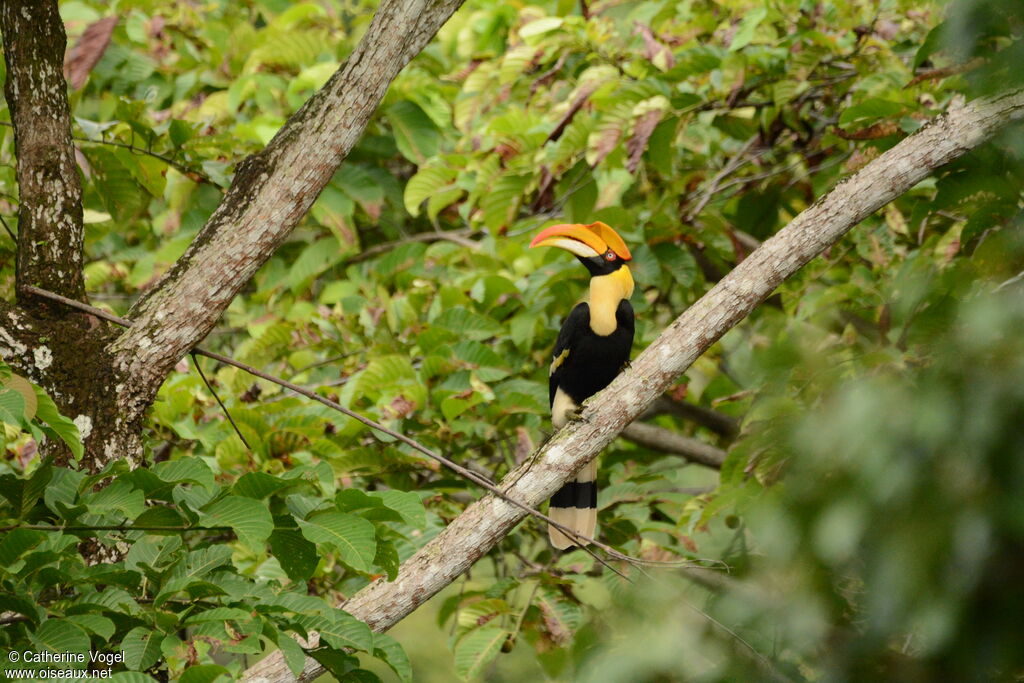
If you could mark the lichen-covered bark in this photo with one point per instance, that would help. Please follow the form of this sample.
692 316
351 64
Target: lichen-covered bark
49 189
68 357
472 534
62 351
271 192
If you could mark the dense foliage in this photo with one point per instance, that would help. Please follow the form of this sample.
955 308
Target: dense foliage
882 385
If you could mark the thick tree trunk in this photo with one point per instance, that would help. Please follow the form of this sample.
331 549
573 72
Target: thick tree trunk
66 353
472 534
49 189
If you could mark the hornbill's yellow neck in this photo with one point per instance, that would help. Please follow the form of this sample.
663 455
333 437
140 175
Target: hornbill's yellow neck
606 291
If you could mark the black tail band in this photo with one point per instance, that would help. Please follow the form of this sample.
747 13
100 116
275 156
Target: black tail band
576 494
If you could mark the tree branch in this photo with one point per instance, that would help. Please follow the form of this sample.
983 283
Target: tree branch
50 228
666 440
271 192
473 533
719 423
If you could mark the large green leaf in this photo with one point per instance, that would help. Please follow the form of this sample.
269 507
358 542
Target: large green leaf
248 518
428 181
405 503
477 649
352 536
340 630
417 137
296 555
204 673
60 635
57 424
391 651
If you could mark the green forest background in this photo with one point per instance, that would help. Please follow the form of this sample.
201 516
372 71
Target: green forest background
868 520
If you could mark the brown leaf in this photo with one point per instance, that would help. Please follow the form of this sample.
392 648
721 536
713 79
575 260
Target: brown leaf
87 51
642 131
402 407
882 129
556 628
524 445
585 91
655 52
607 139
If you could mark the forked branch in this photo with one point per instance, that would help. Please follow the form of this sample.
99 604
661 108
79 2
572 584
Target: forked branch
271 192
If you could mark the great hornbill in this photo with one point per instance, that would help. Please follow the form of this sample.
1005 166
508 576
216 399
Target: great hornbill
592 348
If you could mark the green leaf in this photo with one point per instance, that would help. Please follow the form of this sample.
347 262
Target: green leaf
501 202
203 673
874 108
417 137
468 324
158 516
387 558
428 181
193 567
340 630
249 519
93 623
476 650
21 605
335 661
405 503
131 677
359 676
141 647
14 406
180 132
258 485
390 650
294 655
296 555
119 498
745 32
60 635
184 470
59 425
353 537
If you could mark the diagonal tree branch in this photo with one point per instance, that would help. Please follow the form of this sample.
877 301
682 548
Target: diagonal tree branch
473 533
271 192
49 190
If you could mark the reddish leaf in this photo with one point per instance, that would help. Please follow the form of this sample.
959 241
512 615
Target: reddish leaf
882 129
642 131
582 94
655 51
87 51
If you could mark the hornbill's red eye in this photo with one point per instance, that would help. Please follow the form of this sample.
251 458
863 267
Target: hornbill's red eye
610 255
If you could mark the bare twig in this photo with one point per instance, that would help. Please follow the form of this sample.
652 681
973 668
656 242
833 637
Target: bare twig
735 162
223 407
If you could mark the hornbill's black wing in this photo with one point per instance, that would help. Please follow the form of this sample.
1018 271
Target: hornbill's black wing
578 320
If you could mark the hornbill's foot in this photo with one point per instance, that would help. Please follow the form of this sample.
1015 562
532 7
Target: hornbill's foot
576 415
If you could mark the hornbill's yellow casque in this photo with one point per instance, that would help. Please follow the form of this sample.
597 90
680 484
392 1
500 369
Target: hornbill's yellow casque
592 347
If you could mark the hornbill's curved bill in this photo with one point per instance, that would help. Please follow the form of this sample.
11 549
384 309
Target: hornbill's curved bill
593 346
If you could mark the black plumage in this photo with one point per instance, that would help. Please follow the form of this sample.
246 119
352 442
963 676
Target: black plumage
593 361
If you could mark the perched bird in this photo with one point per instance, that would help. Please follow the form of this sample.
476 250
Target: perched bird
592 348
